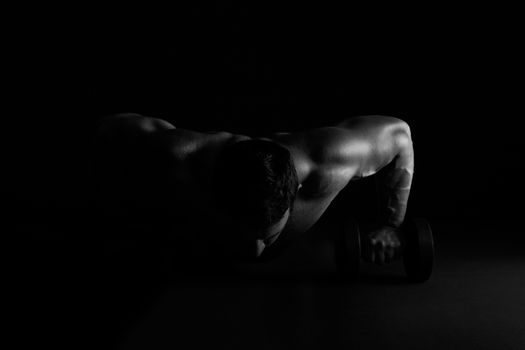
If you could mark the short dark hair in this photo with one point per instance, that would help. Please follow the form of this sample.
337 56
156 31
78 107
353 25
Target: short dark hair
257 181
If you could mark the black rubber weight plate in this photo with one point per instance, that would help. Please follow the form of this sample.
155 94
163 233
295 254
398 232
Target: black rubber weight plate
348 248
419 251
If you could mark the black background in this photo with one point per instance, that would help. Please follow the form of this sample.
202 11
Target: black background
450 72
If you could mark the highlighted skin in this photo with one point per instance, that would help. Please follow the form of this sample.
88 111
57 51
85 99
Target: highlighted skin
394 183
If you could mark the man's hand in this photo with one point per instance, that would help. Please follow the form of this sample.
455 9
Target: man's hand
381 244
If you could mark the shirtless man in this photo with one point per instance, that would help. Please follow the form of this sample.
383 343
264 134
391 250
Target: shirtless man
259 189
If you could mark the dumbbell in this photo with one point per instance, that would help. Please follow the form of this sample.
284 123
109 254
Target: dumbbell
417 249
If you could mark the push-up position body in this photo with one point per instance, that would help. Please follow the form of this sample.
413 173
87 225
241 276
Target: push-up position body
260 189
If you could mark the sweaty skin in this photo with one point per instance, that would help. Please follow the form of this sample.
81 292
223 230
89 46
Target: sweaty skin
326 160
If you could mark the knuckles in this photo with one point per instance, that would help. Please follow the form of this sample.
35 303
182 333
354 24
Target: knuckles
381 246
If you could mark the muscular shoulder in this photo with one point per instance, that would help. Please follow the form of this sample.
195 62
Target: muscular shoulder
373 141
354 139
354 148
316 178
183 144
130 125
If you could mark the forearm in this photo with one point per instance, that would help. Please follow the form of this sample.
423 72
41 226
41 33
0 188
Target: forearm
394 185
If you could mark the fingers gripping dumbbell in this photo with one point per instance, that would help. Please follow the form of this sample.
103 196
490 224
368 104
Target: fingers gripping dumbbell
417 249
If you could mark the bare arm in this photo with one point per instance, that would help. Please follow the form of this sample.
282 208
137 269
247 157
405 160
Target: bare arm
384 143
394 184
387 143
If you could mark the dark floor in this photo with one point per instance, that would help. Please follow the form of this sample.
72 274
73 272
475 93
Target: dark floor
475 299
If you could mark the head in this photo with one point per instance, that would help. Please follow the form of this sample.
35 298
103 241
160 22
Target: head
255 184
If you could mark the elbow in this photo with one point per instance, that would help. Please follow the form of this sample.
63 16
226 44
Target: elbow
401 127
402 132
404 143
406 128
405 150
404 136
402 139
